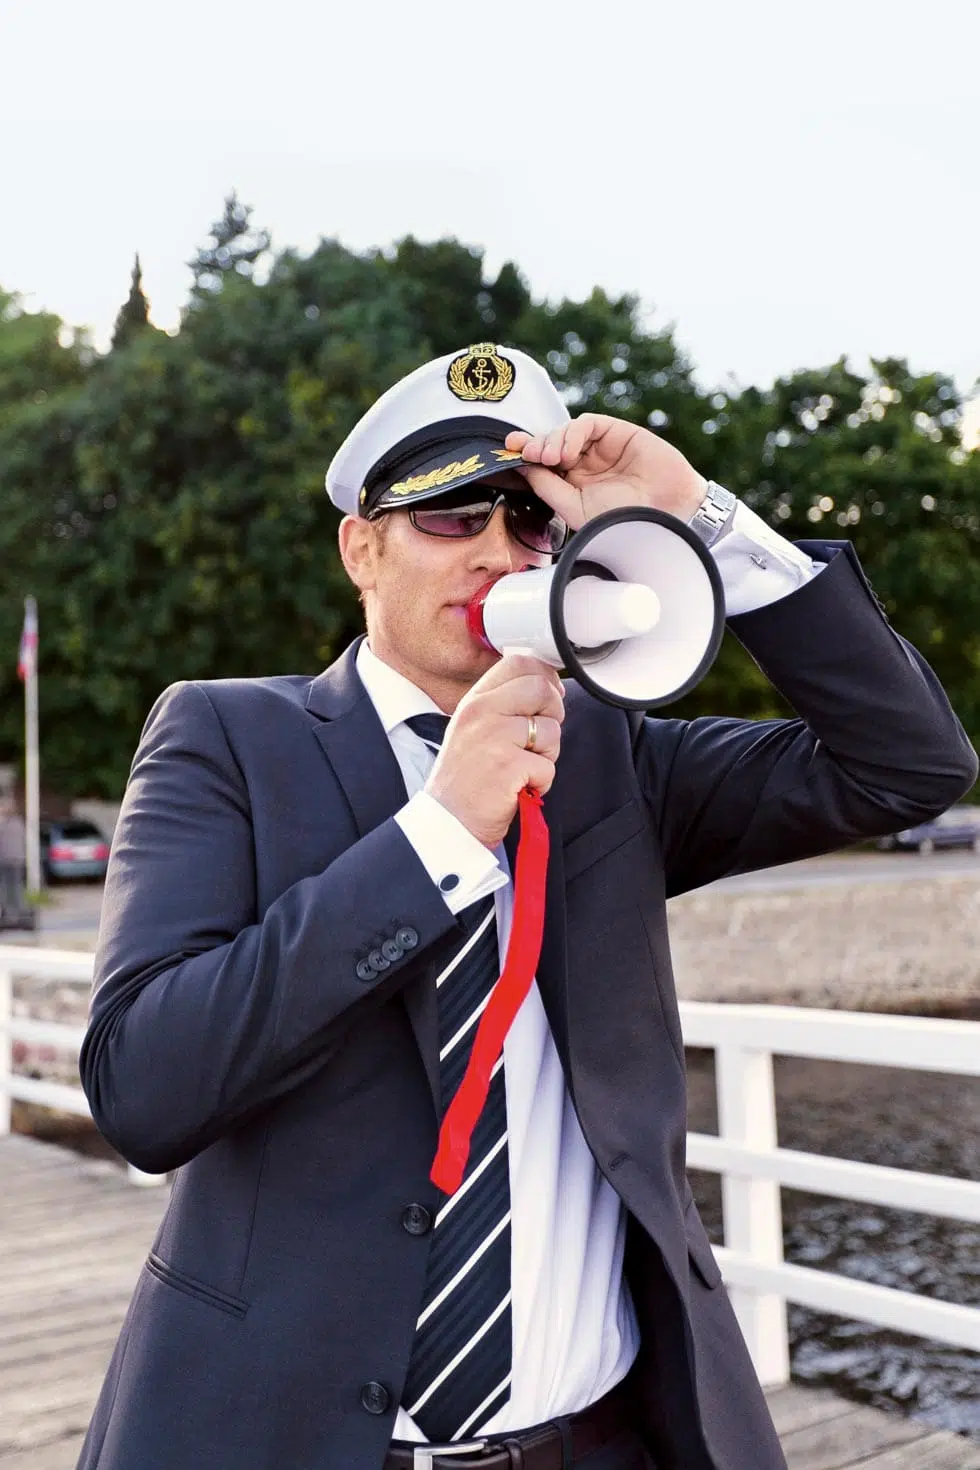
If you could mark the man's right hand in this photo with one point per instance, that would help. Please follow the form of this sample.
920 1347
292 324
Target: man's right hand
483 765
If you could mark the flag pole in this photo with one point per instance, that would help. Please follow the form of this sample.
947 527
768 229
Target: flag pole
32 768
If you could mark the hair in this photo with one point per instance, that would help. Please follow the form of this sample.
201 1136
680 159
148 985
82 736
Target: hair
381 523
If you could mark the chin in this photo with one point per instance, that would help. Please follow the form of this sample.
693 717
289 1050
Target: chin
469 664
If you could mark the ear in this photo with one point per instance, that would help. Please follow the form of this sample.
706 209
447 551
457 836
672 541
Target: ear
358 551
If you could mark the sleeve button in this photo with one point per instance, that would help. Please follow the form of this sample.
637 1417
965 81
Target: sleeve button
378 960
407 937
365 970
448 883
375 1398
391 950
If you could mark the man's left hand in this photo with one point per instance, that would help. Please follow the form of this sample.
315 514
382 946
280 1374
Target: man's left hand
596 463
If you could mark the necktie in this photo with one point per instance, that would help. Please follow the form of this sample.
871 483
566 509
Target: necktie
459 1369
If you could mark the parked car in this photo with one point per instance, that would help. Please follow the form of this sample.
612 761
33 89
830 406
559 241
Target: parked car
73 849
959 827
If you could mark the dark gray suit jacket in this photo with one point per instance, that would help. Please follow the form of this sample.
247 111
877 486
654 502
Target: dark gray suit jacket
256 864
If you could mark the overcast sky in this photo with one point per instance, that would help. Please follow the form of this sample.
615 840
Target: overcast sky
784 182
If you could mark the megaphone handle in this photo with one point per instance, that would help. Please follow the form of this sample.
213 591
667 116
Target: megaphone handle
506 998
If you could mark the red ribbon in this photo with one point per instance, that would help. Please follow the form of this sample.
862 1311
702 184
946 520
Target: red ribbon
506 998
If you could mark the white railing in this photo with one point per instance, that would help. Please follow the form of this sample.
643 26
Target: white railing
71 968
753 1167
746 1154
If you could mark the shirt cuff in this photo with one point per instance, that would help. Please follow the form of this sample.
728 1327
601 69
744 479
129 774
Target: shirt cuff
459 865
757 565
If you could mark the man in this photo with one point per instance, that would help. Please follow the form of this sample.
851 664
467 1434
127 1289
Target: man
12 859
305 913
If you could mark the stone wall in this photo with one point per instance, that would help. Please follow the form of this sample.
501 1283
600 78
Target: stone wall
908 946
104 814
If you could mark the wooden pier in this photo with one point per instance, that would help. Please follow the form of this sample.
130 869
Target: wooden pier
73 1235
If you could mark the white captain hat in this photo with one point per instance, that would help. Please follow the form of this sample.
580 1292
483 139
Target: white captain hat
442 427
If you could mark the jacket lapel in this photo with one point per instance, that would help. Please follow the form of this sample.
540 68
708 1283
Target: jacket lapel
355 744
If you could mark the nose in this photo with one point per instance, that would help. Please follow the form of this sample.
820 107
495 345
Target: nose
495 550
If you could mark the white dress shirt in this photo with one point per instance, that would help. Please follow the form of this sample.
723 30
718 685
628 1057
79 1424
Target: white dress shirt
574 1326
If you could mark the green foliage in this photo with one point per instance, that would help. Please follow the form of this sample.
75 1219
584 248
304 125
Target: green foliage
165 503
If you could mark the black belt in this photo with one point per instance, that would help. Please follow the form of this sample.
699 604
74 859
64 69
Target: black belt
539 1448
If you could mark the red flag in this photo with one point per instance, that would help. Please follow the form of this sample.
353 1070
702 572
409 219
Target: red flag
27 656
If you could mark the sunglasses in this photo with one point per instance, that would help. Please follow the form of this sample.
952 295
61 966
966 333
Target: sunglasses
530 520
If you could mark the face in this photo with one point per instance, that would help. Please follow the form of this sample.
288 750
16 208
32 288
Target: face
416 588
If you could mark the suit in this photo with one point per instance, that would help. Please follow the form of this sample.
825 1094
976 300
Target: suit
234 1037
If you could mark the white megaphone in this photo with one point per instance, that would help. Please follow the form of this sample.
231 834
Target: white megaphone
634 609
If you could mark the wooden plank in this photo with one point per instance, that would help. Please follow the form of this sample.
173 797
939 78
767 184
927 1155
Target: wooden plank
59 1454
53 1316
61 1341
794 1408
56 1250
58 1275
847 1439
24 1380
59 1408
936 1452
33 1201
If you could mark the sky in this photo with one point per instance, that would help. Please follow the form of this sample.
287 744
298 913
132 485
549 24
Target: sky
783 183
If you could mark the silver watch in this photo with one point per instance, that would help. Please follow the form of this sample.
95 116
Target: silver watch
713 514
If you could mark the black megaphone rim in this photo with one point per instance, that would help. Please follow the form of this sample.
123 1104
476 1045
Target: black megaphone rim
563 575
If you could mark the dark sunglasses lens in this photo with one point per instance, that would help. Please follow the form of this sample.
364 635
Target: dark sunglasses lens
536 525
459 520
532 522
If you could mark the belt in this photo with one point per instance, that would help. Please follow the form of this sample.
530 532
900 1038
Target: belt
539 1448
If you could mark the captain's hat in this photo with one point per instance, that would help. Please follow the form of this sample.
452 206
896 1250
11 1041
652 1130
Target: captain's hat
441 427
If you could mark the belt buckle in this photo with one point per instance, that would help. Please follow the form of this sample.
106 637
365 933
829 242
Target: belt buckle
425 1455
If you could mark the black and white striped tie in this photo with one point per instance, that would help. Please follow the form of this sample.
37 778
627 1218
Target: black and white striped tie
460 1365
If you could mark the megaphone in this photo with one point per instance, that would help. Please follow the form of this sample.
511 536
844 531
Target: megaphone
634 609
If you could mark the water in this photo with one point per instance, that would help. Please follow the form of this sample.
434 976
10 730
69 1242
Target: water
878 1115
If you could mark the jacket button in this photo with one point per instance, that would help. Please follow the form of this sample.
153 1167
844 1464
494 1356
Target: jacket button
365 970
391 950
408 938
416 1219
375 1398
377 959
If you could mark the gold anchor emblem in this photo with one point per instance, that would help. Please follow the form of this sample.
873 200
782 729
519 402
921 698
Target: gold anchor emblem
481 374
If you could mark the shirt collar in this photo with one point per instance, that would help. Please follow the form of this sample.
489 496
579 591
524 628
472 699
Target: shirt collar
394 697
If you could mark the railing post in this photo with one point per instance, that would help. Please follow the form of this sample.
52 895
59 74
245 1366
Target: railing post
145 1181
6 1048
752 1207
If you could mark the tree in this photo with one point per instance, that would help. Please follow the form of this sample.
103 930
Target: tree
166 506
877 459
39 356
234 248
43 371
134 314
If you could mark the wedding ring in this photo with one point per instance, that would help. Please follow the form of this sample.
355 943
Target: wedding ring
532 733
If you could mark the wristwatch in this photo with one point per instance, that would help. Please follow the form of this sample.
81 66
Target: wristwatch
714 514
